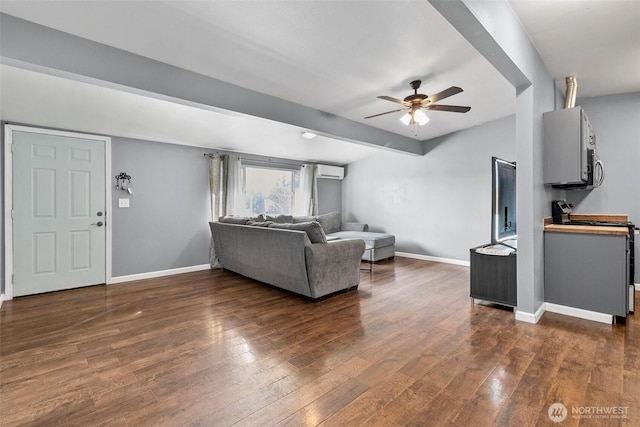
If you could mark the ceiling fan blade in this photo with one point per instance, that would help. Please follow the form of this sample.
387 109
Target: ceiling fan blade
442 95
396 100
452 108
388 112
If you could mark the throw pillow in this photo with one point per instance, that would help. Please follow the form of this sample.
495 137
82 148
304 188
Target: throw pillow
313 229
260 223
331 222
284 219
242 220
280 219
298 219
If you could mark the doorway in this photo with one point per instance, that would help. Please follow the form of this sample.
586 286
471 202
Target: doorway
57 228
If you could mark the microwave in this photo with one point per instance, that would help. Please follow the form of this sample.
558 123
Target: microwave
570 158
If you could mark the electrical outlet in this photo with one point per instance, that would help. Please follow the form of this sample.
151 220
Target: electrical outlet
123 203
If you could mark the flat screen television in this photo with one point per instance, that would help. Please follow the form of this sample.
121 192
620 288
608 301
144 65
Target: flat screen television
503 202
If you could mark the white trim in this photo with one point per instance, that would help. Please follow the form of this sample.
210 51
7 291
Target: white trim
1 299
523 316
578 312
161 273
8 196
637 286
8 205
433 258
108 216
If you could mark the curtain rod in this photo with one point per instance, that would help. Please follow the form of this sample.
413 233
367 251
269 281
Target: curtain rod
269 161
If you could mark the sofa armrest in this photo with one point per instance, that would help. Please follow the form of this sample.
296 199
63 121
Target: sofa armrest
333 266
354 226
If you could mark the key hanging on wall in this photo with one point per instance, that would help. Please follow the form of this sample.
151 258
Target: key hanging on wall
123 182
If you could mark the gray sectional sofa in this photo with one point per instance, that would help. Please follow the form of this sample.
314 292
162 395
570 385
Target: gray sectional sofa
314 256
284 256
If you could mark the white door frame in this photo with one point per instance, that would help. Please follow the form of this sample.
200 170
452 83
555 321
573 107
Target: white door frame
8 198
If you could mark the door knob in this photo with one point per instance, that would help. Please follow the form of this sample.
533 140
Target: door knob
99 224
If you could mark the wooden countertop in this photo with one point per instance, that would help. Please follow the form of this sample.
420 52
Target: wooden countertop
586 229
590 229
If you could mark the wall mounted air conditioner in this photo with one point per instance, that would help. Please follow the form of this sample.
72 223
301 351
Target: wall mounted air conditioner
330 172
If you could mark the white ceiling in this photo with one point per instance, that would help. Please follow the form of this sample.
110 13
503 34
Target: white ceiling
598 41
327 55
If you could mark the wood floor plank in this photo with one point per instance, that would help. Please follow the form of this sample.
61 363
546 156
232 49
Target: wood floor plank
207 348
406 405
441 410
279 410
327 405
374 400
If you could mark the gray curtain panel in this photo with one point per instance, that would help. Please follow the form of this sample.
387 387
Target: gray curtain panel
217 198
309 187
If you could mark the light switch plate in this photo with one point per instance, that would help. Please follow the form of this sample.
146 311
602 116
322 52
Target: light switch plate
123 203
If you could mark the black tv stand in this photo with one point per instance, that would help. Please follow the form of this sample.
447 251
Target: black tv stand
493 277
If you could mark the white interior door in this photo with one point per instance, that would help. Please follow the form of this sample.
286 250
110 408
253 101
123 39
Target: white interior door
59 218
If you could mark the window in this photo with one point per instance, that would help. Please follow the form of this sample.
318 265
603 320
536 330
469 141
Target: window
269 190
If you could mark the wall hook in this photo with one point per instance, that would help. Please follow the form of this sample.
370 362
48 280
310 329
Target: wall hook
123 182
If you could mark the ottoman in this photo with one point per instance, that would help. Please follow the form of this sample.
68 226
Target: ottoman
384 245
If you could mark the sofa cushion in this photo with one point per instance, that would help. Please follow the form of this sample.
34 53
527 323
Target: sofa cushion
260 223
280 219
313 229
375 240
242 220
331 222
298 219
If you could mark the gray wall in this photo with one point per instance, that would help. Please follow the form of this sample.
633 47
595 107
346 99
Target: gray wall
329 196
616 122
165 226
2 208
438 204
533 196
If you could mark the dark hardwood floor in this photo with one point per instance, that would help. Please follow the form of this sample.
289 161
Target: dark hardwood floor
213 348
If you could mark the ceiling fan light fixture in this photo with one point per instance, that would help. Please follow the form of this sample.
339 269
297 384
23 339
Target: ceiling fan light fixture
414 103
406 119
415 117
420 117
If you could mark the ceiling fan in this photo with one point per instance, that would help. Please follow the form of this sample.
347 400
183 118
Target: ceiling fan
414 104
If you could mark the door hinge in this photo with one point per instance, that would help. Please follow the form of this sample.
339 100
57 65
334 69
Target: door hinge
11 213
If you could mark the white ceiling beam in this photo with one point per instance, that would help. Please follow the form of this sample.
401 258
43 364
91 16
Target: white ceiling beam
31 46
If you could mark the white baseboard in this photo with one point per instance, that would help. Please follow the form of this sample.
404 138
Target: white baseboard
154 274
1 299
434 259
578 312
563 309
523 316
637 286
